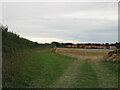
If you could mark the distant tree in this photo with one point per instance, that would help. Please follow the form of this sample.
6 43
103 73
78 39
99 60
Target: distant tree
102 44
78 45
5 28
112 44
68 43
55 44
106 44
117 44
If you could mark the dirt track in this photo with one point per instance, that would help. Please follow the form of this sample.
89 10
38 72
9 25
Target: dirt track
86 71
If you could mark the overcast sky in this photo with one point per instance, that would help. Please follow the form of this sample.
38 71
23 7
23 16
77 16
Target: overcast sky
75 22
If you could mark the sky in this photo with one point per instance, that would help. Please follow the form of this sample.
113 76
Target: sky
76 22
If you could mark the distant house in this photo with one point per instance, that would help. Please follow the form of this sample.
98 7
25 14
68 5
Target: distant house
94 47
91 47
69 46
104 47
72 46
81 46
112 47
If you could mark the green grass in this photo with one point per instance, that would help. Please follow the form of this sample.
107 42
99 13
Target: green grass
100 75
41 69
110 61
107 75
86 77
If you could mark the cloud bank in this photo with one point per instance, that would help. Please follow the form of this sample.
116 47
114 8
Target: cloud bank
75 22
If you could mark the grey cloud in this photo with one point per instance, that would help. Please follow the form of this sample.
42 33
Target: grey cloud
62 20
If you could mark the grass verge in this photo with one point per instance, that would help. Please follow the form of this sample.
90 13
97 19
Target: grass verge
86 77
40 69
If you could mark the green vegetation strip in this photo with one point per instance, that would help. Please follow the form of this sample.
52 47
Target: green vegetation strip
40 69
86 77
107 75
69 77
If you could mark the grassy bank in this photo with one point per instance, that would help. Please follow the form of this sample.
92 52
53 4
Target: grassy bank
40 68
14 48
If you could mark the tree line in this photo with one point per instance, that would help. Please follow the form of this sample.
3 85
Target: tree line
58 44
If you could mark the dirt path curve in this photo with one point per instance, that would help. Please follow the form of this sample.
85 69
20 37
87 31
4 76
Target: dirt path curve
86 70
69 77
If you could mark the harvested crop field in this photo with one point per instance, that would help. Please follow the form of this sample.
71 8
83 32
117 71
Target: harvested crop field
83 53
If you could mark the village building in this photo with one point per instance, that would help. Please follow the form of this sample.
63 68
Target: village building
112 47
91 47
72 46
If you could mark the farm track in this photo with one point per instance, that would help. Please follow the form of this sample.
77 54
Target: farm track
98 77
69 77
106 77
87 72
